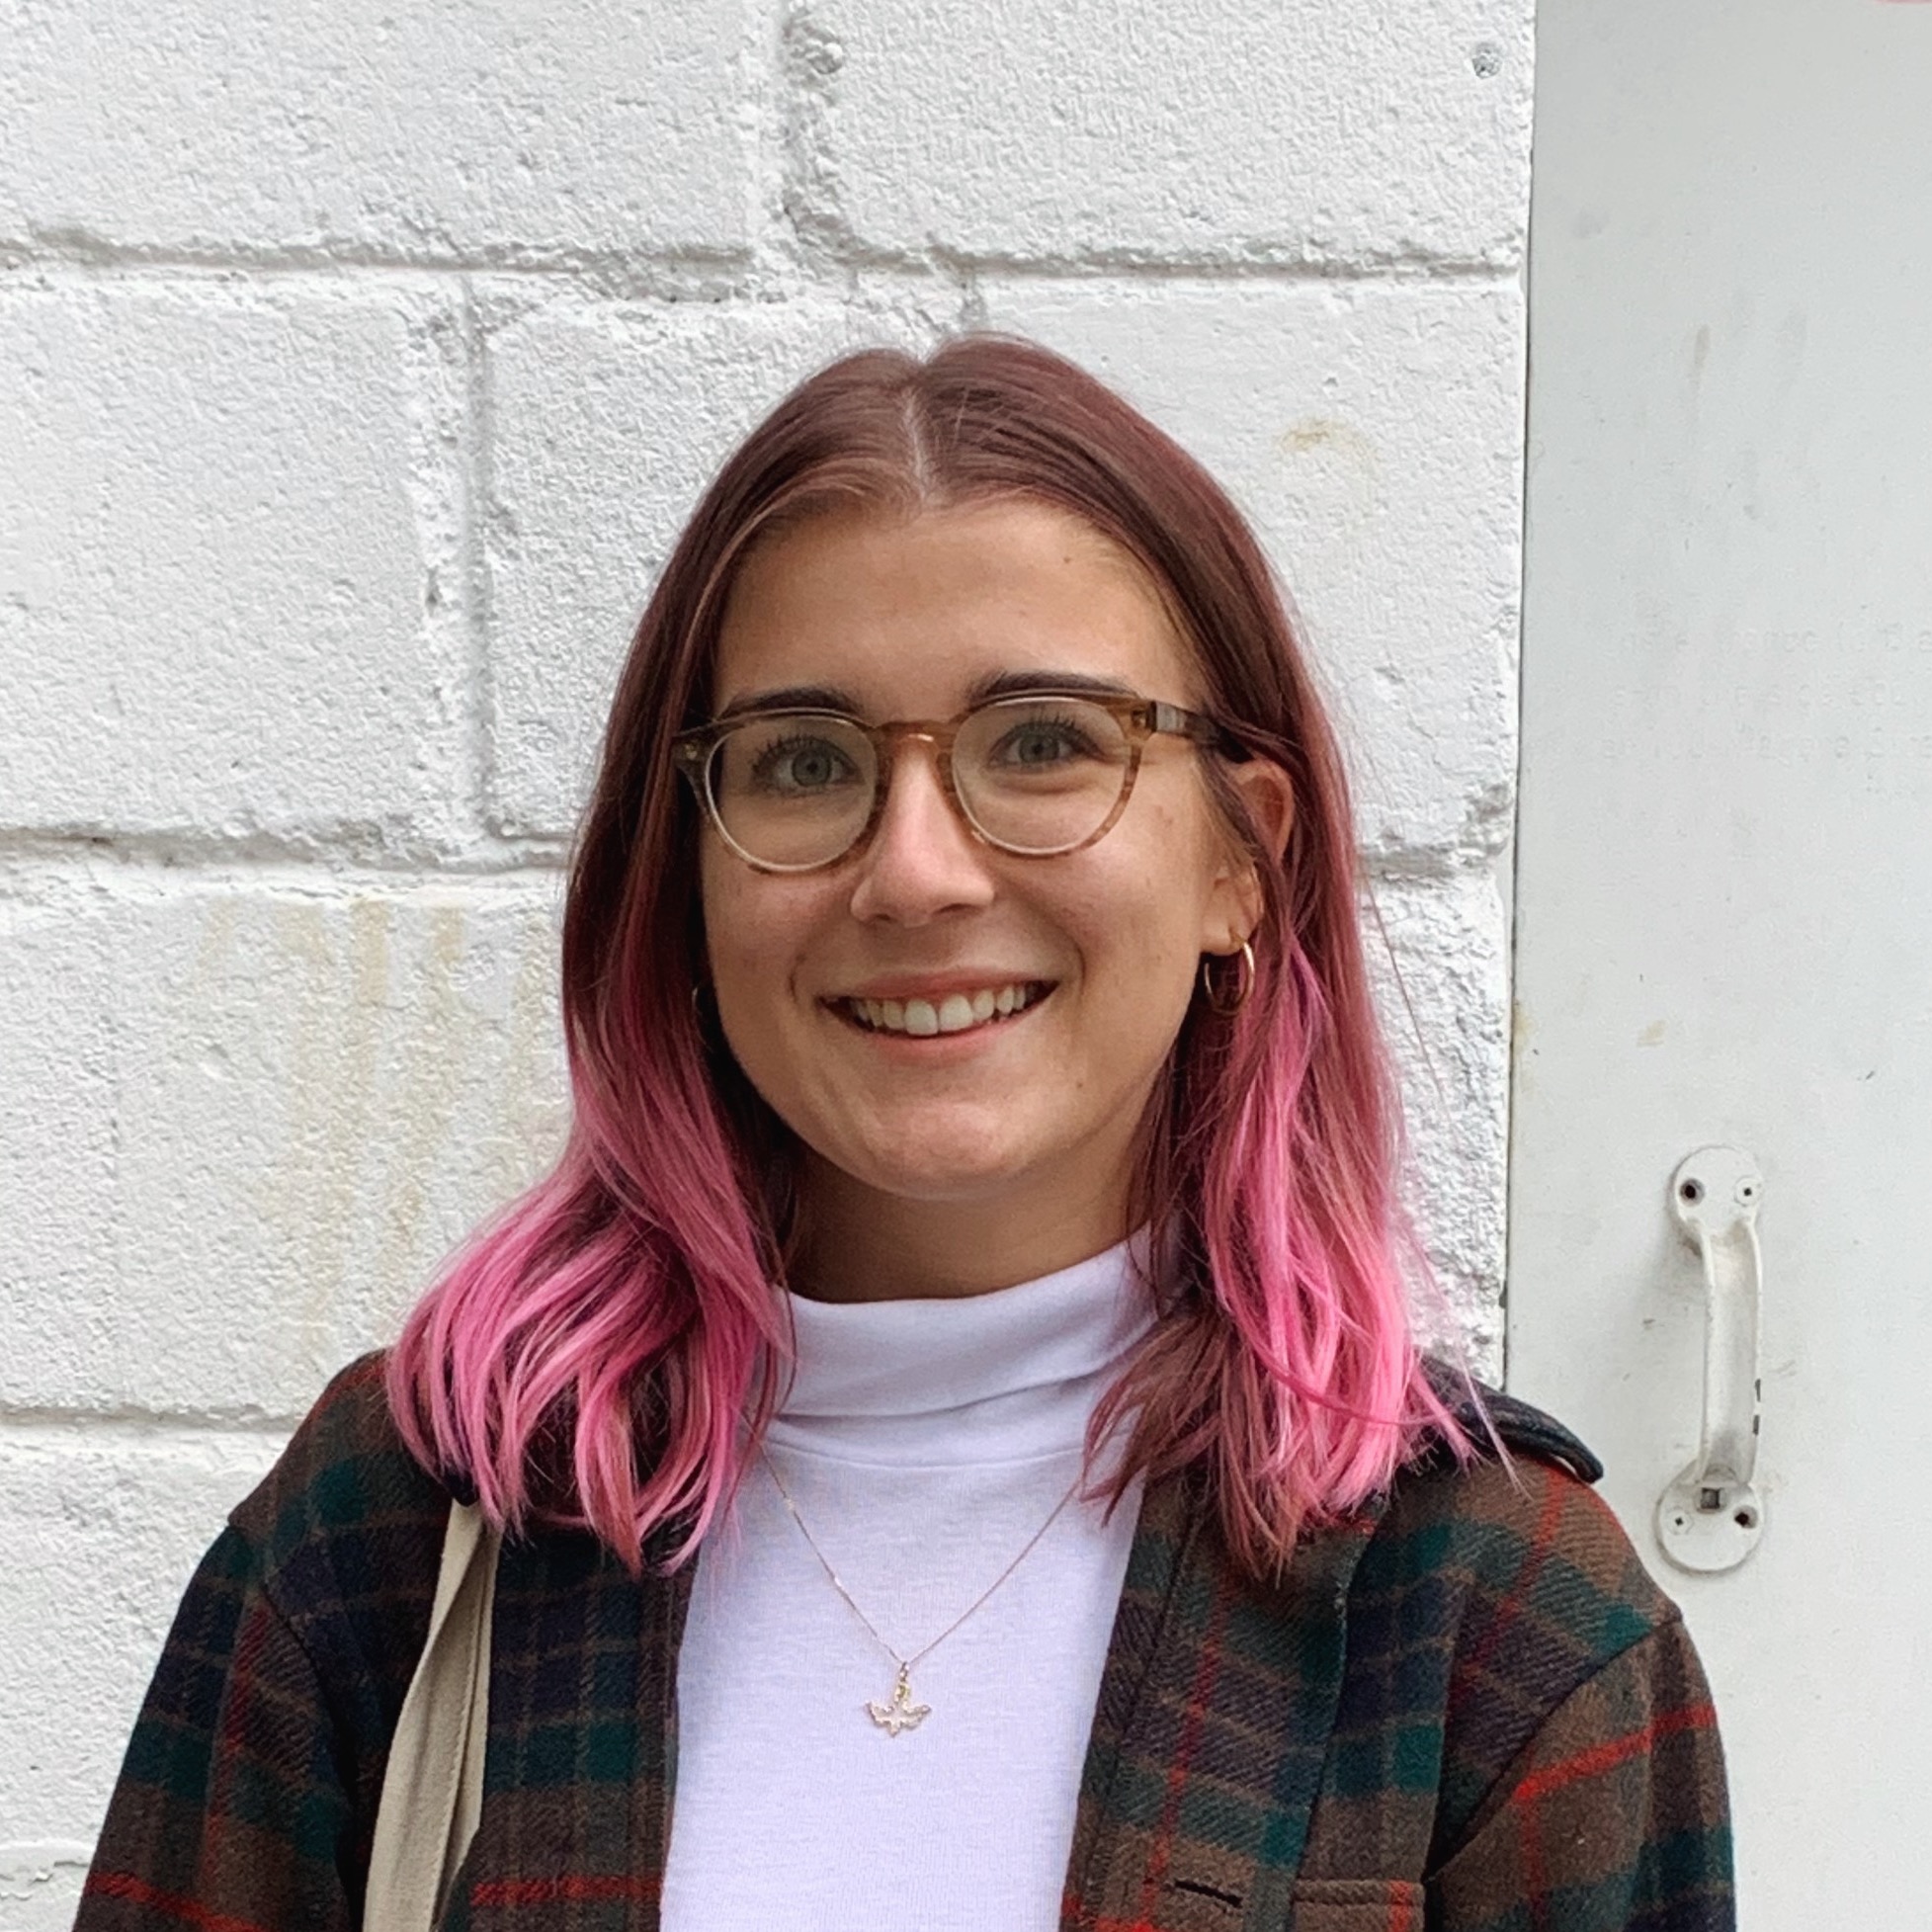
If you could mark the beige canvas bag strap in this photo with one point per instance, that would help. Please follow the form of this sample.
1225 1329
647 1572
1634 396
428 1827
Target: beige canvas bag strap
433 1789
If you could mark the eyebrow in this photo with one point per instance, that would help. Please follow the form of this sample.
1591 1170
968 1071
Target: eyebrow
1017 684
792 698
999 684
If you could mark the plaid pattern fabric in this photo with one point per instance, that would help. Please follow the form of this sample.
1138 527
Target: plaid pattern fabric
1471 1710
577 1781
247 1798
1467 1710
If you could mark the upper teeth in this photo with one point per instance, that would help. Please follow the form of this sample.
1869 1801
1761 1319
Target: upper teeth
952 1014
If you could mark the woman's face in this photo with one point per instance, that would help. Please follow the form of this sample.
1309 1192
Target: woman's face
1030 1118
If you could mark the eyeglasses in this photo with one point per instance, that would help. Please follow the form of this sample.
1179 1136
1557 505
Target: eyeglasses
1037 776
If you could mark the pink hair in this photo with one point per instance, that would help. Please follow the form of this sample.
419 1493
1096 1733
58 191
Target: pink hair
587 1358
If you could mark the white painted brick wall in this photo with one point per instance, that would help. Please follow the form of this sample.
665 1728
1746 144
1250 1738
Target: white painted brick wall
357 367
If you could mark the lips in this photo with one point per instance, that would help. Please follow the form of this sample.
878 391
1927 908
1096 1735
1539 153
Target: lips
923 1017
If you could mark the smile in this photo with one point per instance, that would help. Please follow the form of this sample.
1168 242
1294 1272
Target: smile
953 1013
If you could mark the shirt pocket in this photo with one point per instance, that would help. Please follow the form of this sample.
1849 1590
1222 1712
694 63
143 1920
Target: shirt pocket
1355 1906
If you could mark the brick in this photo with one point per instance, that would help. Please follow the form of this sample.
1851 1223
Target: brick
102 1530
1372 433
1200 130
606 426
215 611
350 126
1438 956
247 1123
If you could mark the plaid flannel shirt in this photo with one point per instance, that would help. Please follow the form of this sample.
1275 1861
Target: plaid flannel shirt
1467 1709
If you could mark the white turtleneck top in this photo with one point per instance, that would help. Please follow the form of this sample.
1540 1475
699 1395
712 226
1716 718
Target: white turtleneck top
923 1442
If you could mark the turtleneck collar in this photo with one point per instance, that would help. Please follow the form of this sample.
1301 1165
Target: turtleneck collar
1007 1375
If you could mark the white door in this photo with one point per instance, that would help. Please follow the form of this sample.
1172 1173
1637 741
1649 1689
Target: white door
1725 867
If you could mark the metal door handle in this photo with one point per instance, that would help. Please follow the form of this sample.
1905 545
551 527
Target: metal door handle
1711 1517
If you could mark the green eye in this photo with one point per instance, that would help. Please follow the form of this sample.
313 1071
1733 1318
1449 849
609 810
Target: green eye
1042 744
802 766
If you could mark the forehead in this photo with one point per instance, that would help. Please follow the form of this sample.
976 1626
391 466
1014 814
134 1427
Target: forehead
906 615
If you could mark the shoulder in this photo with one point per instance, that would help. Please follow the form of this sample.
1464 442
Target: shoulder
346 1530
1518 1537
345 1469
1500 1591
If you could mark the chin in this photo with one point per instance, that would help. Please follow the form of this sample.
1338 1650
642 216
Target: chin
936 1167
941 1179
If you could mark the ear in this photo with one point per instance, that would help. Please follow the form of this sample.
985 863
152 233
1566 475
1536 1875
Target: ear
1235 904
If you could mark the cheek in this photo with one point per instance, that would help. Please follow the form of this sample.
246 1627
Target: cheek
756 931
1141 955
748 915
720 895
1158 897
739 956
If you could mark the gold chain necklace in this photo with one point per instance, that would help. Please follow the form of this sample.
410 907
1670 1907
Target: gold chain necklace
900 1712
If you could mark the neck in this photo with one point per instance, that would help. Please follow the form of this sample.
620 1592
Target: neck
858 1245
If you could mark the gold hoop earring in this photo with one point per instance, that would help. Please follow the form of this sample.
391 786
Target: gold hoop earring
1217 1003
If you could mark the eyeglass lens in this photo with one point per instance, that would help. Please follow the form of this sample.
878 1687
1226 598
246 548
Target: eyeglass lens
1035 776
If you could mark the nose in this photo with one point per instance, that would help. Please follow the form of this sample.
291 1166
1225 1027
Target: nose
921 859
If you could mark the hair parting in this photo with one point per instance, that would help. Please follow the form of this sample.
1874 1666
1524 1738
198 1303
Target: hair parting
607 1353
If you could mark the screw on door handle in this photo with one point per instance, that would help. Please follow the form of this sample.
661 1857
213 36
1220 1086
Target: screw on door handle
1711 1517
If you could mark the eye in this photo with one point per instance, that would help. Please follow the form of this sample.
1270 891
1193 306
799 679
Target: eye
1042 744
803 765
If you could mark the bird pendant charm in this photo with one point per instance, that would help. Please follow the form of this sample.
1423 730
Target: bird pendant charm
902 1713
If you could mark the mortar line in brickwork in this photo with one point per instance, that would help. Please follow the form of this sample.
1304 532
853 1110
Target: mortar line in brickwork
30 866
1426 865
666 271
29 875
1212 272
765 110
811 277
814 230
776 285
368 847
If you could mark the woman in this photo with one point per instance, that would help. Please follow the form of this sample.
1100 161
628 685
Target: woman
955 1389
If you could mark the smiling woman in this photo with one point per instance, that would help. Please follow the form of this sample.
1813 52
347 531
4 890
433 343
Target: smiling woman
961 1452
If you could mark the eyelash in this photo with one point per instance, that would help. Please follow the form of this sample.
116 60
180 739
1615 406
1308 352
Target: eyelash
772 754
